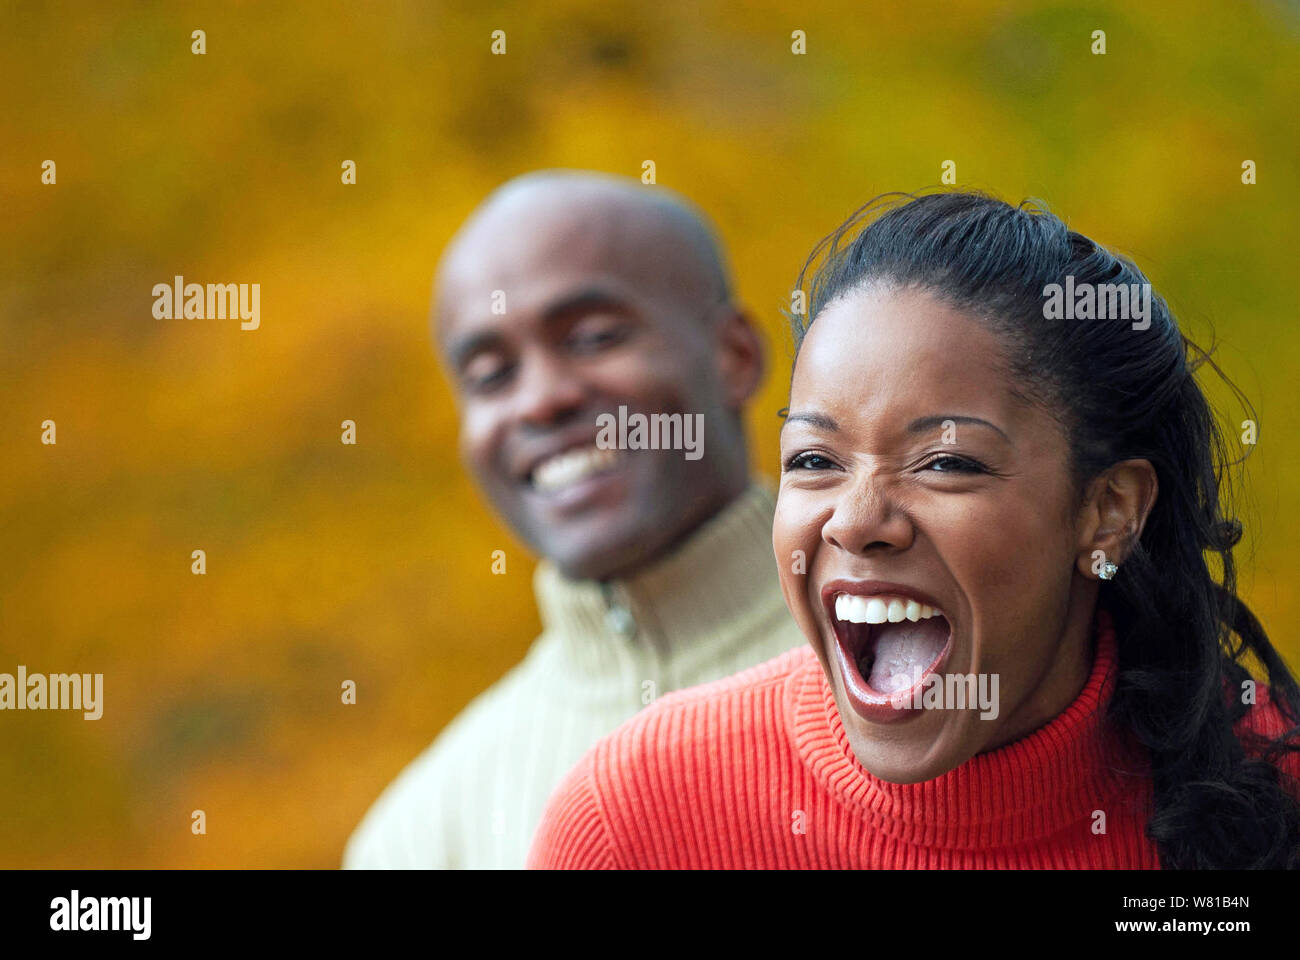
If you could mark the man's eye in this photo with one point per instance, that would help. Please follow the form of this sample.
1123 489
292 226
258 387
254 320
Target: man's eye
950 464
595 335
484 372
808 461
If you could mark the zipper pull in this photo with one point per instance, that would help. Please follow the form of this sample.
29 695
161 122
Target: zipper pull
618 618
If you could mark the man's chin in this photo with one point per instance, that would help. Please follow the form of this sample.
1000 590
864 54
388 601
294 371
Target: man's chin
607 527
599 557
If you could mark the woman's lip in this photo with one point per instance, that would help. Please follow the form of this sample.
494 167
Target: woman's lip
870 588
873 705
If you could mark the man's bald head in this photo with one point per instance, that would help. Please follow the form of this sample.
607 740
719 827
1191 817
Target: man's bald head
644 231
570 296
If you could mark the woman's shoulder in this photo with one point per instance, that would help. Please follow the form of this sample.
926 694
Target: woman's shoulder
738 685
1263 721
1263 714
733 707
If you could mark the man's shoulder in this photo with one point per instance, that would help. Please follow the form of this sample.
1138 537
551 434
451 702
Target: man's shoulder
419 798
481 720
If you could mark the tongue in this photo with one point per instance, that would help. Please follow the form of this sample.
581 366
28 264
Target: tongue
903 651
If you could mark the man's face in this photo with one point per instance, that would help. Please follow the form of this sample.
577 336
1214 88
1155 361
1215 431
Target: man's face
549 318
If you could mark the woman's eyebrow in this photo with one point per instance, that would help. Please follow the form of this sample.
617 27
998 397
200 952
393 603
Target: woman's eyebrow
816 419
922 424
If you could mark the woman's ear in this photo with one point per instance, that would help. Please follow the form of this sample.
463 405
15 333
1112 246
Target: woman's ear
1114 513
740 358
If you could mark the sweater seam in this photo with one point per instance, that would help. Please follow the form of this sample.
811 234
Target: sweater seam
607 833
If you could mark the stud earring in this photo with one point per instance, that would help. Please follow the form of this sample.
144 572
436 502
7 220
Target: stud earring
1108 570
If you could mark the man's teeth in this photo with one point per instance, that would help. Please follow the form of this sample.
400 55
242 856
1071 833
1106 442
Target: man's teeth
856 609
571 466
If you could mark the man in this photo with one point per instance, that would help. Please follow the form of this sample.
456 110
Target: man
565 297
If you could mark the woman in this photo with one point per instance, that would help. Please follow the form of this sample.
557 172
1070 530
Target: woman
1000 484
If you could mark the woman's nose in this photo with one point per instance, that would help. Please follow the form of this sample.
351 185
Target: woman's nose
865 519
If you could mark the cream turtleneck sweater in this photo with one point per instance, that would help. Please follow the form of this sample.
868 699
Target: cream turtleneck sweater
474 797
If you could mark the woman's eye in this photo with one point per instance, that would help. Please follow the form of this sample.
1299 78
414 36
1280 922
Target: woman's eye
808 461
951 464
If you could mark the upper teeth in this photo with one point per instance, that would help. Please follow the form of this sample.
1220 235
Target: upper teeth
858 609
571 466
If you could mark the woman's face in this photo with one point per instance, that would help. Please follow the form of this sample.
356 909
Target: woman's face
916 481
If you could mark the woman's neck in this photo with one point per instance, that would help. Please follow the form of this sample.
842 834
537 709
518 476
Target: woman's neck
1064 678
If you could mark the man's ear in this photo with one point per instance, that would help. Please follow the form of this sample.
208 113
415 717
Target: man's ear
740 358
1114 513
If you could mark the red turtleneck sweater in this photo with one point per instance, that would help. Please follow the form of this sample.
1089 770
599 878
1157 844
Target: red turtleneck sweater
755 771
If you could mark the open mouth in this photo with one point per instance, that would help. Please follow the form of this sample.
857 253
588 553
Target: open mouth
888 644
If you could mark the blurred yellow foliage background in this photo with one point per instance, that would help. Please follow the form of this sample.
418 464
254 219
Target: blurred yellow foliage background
371 562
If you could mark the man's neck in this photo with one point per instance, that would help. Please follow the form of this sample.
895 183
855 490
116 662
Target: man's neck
722 575
705 512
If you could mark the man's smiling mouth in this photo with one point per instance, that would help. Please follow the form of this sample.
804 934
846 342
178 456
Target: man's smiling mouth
570 467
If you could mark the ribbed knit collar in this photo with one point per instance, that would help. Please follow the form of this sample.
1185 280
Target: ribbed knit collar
702 596
1028 789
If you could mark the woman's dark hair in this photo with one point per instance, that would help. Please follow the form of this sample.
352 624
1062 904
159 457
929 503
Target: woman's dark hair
1119 393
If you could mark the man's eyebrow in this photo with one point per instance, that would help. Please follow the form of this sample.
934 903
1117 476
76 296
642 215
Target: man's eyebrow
922 424
588 298
816 419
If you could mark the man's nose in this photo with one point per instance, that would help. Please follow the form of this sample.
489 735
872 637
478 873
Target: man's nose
866 518
548 391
